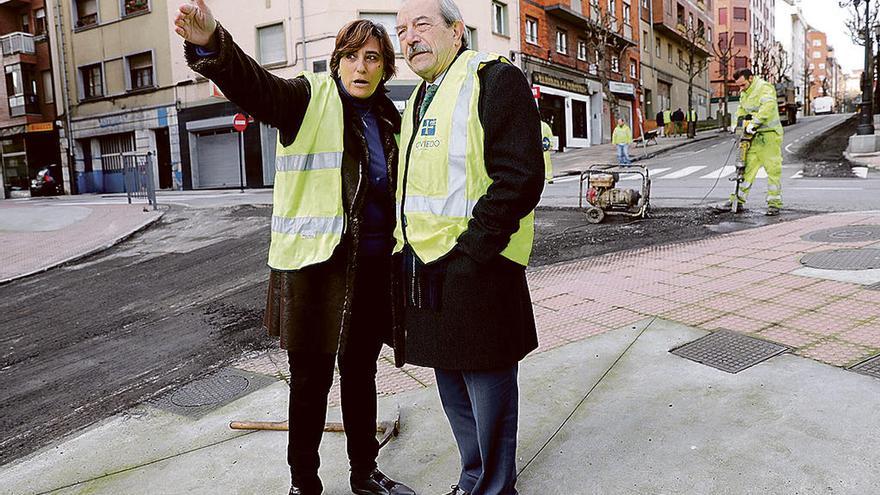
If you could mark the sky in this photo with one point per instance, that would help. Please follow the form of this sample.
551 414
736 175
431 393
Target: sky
828 17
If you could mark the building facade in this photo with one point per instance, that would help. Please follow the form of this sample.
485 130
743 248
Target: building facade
671 30
288 38
568 52
744 26
28 131
117 95
821 70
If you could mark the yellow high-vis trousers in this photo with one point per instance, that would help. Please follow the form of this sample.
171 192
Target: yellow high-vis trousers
766 152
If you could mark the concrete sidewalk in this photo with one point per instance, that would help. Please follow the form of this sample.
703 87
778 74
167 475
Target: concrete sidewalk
575 160
38 235
606 408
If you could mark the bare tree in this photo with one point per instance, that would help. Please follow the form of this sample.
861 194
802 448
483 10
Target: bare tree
696 63
724 54
855 19
606 42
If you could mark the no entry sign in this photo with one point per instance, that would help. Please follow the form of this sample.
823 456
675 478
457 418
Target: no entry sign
240 122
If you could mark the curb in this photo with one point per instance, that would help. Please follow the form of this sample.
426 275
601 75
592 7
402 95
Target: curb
139 228
858 159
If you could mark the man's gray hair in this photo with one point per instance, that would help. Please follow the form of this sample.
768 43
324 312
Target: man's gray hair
450 13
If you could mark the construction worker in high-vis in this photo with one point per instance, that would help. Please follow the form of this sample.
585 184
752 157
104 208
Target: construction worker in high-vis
760 115
547 143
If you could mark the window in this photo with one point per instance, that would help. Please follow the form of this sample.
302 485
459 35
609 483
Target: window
680 59
582 50
669 52
612 13
531 30
85 12
319 66
92 81
722 41
722 15
691 20
615 64
48 87
821 66
21 90
740 14
817 43
817 55
594 10
25 23
709 35
812 66
740 62
739 39
472 38
627 13
270 44
39 22
632 69
561 42
389 22
499 18
130 7
140 71
645 40
659 49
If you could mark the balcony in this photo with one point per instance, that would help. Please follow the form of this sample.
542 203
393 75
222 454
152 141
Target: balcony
14 4
16 43
22 105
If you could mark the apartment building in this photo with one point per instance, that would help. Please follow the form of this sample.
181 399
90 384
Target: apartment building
117 95
820 64
561 57
28 131
791 32
671 29
287 38
746 25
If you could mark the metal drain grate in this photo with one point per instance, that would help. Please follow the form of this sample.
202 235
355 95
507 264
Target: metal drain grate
843 259
851 233
204 395
729 351
870 367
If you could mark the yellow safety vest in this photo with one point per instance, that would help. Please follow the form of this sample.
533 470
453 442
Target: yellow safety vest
546 143
443 172
760 102
307 214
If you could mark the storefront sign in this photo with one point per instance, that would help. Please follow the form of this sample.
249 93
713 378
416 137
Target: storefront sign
623 88
559 83
41 127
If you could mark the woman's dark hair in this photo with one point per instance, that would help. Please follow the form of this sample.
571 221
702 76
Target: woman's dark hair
354 35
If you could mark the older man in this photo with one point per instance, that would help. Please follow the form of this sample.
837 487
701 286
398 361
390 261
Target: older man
470 176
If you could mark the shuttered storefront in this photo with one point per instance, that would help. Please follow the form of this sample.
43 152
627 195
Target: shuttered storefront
217 159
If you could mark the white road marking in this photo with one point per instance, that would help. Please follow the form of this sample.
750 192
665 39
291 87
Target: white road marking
683 172
861 172
799 175
651 172
788 148
721 172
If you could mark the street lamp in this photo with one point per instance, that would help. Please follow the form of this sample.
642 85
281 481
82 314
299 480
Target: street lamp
866 119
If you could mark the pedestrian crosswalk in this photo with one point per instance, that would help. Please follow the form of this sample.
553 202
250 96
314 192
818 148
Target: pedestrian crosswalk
703 172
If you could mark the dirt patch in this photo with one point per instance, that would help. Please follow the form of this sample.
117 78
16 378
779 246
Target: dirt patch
823 155
563 234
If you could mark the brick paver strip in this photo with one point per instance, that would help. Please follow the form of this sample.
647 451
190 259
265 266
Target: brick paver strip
867 334
836 352
789 336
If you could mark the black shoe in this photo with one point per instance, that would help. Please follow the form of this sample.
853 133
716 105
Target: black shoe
376 483
772 211
300 491
456 490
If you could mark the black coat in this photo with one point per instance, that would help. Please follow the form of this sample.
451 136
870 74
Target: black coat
310 308
485 318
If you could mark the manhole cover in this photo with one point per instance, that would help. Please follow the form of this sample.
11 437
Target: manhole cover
870 367
207 391
729 351
843 259
204 395
851 233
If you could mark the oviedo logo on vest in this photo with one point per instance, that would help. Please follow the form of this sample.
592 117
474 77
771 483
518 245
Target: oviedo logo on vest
546 143
428 129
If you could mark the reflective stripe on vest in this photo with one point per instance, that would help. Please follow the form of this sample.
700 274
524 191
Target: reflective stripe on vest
308 218
445 173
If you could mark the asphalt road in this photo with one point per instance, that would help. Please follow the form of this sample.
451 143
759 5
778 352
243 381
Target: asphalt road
682 177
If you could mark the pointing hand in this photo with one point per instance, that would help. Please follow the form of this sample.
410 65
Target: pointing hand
195 23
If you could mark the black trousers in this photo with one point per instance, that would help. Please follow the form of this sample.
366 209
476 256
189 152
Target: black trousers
311 375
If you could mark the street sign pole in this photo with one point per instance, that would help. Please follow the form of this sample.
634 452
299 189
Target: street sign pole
240 123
